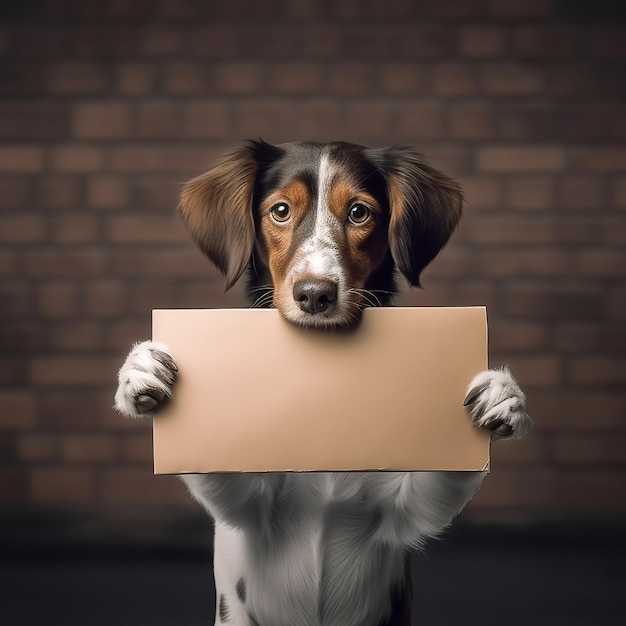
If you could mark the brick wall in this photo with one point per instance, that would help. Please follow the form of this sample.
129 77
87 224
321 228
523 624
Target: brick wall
106 107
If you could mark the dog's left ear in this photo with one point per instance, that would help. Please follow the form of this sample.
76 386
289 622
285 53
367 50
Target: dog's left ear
425 204
216 207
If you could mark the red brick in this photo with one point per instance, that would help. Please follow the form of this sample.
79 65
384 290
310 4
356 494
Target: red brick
511 80
38 447
521 159
16 299
590 449
180 9
600 263
529 192
218 42
598 370
7 262
57 192
104 298
120 335
19 159
75 336
104 43
607 159
400 79
135 79
578 411
14 192
60 486
136 449
536 301
527 263
546 43
12 485
38 121
321 120
107 192
516 452
102 120
607 42
421 42
517 336
65 262
167 263
272 120
58 299
370 121
42 43
481 192
155 41
74 229
240 78
89 449
528 488
453 79
619 193
206 120
153 294
482 42
157 120
416 121
585 231
470 121
19 409
320 41
21 229
136 159
155 194
184 79
72 158
147 229
77 78
140 486
502 230
295 79
589 491
85 410
72 371
615 231
514 9
350 79
451 262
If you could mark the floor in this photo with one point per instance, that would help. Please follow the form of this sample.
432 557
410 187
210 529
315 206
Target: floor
474 578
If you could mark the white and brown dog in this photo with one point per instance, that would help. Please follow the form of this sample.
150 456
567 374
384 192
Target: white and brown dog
321 230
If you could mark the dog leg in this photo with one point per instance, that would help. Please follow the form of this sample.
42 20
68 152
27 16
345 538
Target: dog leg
145 380
497 403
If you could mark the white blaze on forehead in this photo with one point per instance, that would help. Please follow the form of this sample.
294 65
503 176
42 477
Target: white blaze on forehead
323 214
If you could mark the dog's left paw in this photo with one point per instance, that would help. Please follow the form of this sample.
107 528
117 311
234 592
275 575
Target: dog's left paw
496 402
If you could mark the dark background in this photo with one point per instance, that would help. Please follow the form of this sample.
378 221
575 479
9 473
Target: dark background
107 107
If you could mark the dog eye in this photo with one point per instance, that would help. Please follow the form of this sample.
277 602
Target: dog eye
358 214
280 212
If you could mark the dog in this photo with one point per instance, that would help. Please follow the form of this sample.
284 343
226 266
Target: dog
322 230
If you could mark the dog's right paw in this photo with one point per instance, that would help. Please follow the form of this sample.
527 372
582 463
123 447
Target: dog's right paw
145 380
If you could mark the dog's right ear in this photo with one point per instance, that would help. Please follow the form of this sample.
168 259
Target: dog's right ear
216 207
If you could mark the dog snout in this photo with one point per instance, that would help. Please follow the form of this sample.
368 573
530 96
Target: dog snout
315 296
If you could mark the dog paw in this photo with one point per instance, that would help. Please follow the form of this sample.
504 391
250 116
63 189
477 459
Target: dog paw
145 380
496 403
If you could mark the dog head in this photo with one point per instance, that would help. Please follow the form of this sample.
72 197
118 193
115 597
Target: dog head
322 227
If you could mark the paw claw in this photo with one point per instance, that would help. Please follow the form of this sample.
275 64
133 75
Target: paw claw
497 403
145 380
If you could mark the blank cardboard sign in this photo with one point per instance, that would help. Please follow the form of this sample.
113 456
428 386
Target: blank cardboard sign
255 394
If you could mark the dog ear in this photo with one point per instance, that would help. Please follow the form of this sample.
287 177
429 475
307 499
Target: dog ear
426 206
216 208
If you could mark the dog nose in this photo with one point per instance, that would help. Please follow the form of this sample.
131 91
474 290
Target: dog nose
315 296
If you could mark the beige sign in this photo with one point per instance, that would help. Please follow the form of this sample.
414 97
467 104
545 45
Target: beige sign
257 394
